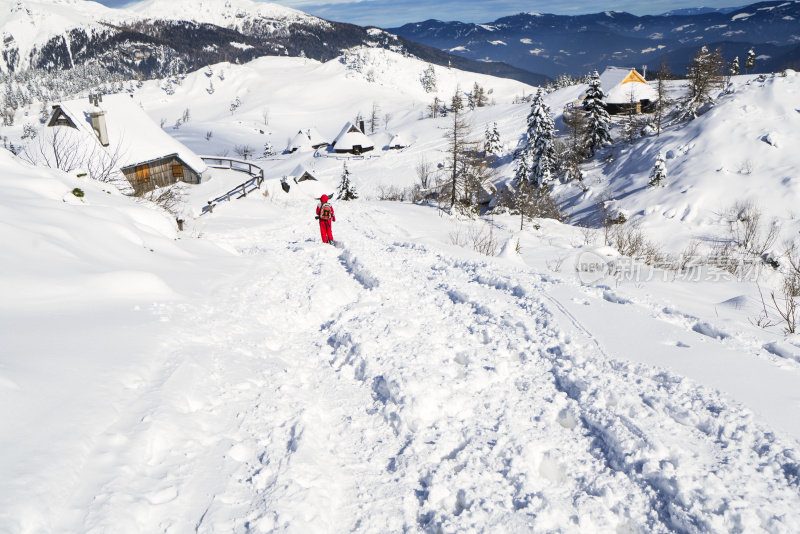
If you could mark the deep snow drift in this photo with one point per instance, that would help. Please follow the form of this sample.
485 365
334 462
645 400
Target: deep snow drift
240 376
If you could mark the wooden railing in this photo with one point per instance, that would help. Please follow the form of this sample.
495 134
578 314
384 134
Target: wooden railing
256 179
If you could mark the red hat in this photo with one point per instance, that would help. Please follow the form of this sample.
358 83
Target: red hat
323 198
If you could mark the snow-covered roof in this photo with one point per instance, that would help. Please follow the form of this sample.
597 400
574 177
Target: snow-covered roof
300 142
619 83
131 132
300 170
306 140
399 140
350 137
315 137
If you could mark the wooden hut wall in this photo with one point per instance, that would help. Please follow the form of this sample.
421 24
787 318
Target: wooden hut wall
160 173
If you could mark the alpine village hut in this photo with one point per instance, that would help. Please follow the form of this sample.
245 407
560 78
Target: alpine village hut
114 127
624 88
398 142
352 140
302 174
309 139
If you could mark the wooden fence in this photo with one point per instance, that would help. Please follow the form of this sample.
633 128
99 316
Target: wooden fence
255 172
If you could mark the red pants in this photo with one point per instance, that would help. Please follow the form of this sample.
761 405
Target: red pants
325 230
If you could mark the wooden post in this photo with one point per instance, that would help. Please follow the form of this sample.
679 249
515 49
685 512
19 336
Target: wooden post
210 207
229 196
180 224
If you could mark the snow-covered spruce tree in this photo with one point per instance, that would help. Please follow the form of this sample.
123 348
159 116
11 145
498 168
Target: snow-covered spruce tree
750 61
428 79
597 123
735 68
346 190
269 151
456 103
540 136
492 145
522 165
479 95
659 173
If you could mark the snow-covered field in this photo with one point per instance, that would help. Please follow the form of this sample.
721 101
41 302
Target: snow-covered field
240 376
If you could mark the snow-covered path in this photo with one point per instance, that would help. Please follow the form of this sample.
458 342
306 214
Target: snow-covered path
393 386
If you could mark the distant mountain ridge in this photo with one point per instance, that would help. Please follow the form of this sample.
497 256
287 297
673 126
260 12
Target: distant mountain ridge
698 11
157 38
555 44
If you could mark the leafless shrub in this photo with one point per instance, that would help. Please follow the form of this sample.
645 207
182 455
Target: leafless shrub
393 193
555 264
61 148
746 167
630 241
782 306
745 228
479 239
209 135
589 235
170 199
425 172
689 255
780 309
243 151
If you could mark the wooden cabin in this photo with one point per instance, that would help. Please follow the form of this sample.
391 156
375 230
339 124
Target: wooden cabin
626 88
114 128
352 140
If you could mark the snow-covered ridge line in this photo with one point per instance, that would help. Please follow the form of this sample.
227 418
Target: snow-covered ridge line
32 23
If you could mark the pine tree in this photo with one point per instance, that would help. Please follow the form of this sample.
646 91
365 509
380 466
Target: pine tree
598 121
268 150
659 172
456 104
735 66
346 190
492 144
750 62
522 166
428 79
540 136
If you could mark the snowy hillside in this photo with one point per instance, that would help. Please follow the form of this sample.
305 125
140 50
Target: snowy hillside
241 376
742 150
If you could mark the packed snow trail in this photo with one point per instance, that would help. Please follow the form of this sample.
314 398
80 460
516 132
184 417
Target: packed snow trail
393 386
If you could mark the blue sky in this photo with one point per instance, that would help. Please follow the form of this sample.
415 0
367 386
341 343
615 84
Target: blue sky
390 13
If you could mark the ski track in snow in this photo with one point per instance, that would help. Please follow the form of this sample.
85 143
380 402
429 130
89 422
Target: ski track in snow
387 387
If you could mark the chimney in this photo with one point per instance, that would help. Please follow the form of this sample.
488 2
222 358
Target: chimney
98 117
99 126
361 126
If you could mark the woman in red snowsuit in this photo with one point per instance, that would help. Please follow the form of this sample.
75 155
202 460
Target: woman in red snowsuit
325 216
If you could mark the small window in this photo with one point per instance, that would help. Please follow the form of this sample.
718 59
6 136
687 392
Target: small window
143 173
177 172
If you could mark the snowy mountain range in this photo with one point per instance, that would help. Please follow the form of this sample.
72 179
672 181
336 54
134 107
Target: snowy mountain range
157 38
555 44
